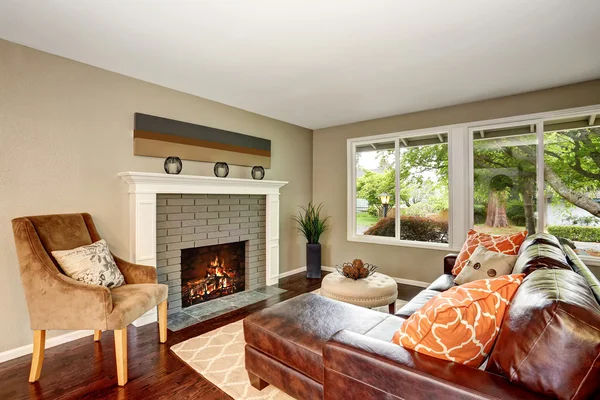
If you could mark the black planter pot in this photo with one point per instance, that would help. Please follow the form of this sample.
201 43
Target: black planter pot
313 260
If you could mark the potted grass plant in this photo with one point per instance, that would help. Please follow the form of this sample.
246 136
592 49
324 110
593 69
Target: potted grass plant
312 226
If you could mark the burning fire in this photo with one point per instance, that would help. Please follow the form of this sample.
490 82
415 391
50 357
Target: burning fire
219 281
218 266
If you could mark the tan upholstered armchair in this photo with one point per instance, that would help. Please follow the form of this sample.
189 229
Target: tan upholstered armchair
56 301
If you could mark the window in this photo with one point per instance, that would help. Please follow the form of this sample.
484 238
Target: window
400 189
427 188
504 179
375 176
540 176
572 178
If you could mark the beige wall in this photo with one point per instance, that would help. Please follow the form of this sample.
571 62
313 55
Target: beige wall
329 170
65 133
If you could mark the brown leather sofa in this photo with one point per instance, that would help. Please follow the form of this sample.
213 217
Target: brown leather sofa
548 346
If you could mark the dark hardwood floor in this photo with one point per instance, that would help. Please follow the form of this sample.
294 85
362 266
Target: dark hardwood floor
83 369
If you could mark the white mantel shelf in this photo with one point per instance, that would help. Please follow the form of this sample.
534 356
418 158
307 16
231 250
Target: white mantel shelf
148 182
143 188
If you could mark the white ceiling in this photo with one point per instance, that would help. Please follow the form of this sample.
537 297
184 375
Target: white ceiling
319 63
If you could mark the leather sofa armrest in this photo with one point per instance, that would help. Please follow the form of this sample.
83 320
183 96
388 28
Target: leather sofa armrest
374 368
449 261
136 273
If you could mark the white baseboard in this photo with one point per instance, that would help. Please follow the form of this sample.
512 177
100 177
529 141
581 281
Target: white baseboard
411 282
302 269
292 272
55 341
399 280
148 318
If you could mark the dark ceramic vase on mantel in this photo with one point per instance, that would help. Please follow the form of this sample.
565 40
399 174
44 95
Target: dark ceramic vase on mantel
313 260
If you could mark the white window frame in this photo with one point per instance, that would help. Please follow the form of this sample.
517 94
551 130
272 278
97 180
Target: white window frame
396 138
460 175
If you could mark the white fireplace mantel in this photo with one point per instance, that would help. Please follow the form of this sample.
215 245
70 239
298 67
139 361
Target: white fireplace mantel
146 182
144 186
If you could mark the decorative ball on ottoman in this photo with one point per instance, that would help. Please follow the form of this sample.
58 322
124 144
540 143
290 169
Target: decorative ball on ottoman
347 270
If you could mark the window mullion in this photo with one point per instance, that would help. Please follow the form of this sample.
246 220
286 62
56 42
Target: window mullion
541 193
460 178
397 167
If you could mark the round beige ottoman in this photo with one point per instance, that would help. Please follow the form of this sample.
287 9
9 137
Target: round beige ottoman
375 291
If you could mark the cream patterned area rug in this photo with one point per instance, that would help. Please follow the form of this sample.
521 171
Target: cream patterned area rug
219 356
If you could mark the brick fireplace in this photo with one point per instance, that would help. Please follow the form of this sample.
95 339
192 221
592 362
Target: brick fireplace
200 221
171 213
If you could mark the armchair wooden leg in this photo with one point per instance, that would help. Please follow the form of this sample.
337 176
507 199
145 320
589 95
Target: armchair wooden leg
162 321
39 342
121 355
97 335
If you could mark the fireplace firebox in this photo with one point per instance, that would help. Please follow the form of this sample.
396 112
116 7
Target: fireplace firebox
211 272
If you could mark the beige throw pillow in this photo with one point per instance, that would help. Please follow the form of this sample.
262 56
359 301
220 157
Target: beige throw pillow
485 264
92 264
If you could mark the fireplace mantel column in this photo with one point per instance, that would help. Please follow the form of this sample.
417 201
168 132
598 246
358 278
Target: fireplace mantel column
272 238
142 219
142 246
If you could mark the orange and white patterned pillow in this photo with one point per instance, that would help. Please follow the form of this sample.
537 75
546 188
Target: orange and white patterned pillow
460 324
509 244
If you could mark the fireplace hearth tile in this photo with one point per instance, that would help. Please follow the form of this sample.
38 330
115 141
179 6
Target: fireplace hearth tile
210 309
201 310
249 298
180 320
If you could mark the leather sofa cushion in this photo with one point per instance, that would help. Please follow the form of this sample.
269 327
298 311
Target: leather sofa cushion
416 303
295 331
549 341
442 283
539 256
540 238
386 329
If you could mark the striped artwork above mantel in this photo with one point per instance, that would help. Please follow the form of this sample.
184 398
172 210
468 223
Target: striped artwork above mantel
162 137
